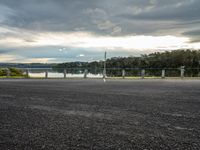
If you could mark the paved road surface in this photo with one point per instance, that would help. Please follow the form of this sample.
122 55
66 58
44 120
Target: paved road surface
90 114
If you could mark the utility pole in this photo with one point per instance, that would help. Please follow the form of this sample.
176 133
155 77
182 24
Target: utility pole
104 69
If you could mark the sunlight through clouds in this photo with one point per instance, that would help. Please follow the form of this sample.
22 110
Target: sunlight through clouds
88 40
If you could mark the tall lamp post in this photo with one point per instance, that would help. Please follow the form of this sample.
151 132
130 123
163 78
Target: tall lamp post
104 69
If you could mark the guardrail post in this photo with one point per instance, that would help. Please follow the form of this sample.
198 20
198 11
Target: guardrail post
163 74
7 72
46 74
142 73
27 73
65 72
123 74
104 73
182 71
85 73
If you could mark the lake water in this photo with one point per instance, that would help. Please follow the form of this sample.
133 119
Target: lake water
61 75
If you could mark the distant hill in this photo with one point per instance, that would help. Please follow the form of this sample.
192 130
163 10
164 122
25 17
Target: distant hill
31 65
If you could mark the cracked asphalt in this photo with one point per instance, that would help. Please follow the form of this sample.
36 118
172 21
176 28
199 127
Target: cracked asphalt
78 114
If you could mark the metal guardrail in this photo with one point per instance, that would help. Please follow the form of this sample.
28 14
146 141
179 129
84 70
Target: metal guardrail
110 72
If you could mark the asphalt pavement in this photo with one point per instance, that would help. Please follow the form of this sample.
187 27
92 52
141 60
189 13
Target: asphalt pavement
82 114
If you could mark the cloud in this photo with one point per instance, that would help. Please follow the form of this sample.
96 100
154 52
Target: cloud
41 29
17 59
177 11
99 17
89 40
194 35
7 58
80 55
5 12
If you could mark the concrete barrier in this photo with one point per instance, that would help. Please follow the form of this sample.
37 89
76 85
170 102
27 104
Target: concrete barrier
163 74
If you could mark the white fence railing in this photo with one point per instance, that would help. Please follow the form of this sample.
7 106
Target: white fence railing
99 73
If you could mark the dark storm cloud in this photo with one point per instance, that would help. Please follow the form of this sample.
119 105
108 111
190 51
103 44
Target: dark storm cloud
112 17
177 11
194 35
53 15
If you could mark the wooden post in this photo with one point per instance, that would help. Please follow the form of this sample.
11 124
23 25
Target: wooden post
65 72
27 73
7 72
46 74
123 74
142 73
85 73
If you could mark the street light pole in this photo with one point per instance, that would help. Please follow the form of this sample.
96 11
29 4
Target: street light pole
104 69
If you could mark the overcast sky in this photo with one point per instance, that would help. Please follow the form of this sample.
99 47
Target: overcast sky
81 30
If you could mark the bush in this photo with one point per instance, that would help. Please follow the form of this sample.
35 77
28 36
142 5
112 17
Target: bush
3 72
13 72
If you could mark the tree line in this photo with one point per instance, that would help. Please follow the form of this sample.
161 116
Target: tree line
154 61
